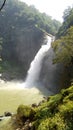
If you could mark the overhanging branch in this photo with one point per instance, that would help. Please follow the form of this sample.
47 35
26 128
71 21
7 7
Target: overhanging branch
2 5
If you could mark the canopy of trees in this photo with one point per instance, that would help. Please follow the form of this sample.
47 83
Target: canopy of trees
68 21
64 48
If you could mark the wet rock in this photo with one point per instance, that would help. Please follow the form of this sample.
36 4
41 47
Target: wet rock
7 114
51 74
34 105
1 116
1 119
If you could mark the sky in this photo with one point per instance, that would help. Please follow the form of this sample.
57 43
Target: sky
54 8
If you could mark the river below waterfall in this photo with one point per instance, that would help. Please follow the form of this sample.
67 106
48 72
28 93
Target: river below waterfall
12 95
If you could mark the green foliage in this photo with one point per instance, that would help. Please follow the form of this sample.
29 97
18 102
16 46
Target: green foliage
61 116
55 123
63 48
56 113
24 113
68 22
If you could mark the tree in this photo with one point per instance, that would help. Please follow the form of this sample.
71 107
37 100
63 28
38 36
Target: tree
68 21
63 48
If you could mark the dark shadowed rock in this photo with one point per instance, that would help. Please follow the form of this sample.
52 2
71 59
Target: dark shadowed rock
51 73
34 105
7 113
1 119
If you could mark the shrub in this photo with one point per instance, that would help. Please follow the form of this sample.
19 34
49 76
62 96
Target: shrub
24 113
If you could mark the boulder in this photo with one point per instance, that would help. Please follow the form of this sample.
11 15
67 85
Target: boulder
7 114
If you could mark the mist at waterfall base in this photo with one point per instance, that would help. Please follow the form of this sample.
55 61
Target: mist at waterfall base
32 78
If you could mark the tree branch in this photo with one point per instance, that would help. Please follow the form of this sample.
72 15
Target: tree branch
2 5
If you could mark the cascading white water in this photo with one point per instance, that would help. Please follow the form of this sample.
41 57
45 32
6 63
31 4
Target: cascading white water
35 66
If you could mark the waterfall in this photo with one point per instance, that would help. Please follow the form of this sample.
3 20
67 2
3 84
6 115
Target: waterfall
35 66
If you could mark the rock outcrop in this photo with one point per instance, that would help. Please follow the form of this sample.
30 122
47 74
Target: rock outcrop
51 73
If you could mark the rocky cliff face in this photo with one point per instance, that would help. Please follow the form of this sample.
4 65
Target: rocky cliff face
20 51
27 45
51 73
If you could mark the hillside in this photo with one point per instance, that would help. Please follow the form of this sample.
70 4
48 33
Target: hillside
54 114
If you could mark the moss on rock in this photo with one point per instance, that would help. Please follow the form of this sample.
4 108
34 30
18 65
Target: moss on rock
24 113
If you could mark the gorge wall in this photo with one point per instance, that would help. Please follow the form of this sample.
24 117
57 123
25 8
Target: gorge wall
27 45
51 74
